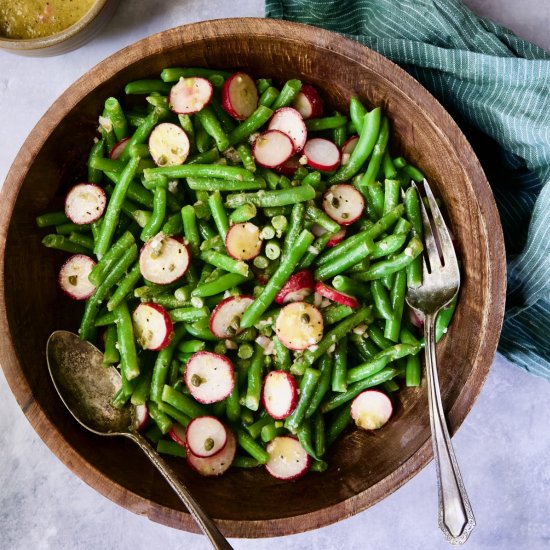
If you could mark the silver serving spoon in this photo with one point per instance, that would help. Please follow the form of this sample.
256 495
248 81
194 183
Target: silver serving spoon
87 388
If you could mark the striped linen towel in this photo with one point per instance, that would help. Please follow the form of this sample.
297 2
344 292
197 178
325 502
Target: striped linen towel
497 86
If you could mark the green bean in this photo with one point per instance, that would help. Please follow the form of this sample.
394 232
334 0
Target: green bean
339 423
341 263
135 118
330 338
215 243
382 225
146 87
265 199
245 462
270 176
159 212
381 300
190 229
125 287
188 314
60 242
366 348
444 318
140 135
392 189
248 443
412 208
82 240
218 213
201 171
282 355
118 119
389 169
69 227
323 385
107 132
262 84
387 267
350 286
363 149
295 226
314 250
271 431
335 313
318 427
213 128
305 438
399 162
170 448
268 96
339 373
246 351
288 93
277 211
97 151
413 371
267 232
375 199
111 355
377 155
112 212
254 122
206 230
233 406
280 224
357 112
243 213
105 319
224 262
414 173
208 157
327 123
307 390
339 135
388 245
161 419
51 218
261 262
223 283
319 217
228 123
355 389
183 403
140 395
277 280
254 385
377 336
173 74
393 324
272 250
126 344
245 154
255 429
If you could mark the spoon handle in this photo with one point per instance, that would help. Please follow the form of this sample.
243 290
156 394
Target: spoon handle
205 523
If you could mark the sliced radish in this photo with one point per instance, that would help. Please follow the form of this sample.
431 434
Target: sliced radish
152 326
116 151
289 167
168 144
371 409
290 122
205 436
242 241
322 154
141 415
217 464
338 237
177 434
209 377
73 277
85 203
287 458
272 148
335 295
343 203
308 102
298 286
190 95
280 394
163 259
239 96
299 325
226 317
348 148
415 317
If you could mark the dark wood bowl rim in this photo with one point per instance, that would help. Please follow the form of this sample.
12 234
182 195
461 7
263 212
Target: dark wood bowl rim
55 440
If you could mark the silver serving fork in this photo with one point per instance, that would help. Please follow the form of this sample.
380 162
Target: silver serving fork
441 281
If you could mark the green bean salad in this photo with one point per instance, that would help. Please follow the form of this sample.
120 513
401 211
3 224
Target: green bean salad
244 253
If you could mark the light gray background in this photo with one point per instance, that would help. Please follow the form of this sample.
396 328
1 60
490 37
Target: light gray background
503 447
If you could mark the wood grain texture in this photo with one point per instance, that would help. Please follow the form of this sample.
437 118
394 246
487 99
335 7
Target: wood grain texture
365 467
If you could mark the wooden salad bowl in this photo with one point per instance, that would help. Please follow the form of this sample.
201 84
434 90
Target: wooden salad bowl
364 467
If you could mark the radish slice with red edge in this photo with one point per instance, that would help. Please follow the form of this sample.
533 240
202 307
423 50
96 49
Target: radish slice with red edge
190 95
289 167
209 377
141 416
272 148
73 277
299 325
219 463
168 145
152 326
335 295
308 102
348 148
322 154
242 241
338 237
163 259
343 203
177 434
225 319
85 203
298 286
415 317
287 459
290 122
280 394
116 151
239 96
371 409
205 436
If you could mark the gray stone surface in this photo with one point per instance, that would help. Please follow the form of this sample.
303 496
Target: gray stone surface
503 447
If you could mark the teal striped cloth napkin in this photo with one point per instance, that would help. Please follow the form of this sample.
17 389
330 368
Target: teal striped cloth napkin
497 86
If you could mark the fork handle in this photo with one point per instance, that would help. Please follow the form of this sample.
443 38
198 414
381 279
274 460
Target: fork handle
456 518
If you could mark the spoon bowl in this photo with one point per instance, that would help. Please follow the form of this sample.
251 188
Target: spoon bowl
87 389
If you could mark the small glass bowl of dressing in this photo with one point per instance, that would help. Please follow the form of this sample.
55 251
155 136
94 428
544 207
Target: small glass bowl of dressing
51 27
